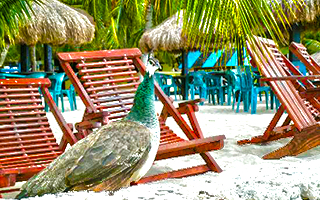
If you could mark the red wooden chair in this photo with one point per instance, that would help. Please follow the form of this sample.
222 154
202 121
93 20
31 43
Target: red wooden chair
302 112
107 83
27 144
301 53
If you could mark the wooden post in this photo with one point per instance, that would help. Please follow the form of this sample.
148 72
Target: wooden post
48 58
184 73
25 58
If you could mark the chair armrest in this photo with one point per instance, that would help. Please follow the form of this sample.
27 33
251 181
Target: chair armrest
310 93
192 102
101 117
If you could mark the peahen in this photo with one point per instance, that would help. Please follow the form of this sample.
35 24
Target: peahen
110 157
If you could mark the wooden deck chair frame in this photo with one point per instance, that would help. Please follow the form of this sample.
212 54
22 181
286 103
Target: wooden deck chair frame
300 51
170 145
305 130
27 144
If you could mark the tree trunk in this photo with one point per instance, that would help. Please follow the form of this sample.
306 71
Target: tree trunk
33 58
4 54
149 25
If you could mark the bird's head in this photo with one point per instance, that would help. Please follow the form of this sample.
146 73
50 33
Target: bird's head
153 65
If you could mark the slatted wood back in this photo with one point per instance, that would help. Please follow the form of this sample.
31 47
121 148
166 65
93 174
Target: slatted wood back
110 84
300 52
27 143
108 80
271 64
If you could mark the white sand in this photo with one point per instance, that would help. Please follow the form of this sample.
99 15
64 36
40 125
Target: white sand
245 175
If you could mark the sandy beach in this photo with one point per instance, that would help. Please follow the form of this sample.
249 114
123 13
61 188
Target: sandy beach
245 175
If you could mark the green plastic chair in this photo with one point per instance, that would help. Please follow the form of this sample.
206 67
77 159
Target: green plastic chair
56 89
71 94
36 75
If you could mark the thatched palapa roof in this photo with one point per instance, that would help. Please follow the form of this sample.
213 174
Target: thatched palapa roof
167 36
56 23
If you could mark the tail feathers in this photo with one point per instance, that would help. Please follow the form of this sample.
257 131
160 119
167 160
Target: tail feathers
22 194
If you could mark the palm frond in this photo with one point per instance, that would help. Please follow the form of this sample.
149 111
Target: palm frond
312 45
13 13
221 23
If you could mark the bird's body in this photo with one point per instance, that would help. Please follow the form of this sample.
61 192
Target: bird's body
110 157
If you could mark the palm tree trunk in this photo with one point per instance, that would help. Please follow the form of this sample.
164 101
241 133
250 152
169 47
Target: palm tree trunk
149 25
4 54
33 58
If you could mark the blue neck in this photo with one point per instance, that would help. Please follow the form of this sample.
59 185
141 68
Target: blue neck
143 109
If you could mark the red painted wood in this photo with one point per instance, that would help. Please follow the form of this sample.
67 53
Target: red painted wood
58 116
36 82
275 67
175 174
301 53
292 77
105 75
27 143
95 55
284 89
189 147
106 64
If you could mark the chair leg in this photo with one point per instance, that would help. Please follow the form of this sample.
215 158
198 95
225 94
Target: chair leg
221 96
246 102
175 93
254 101
70 98
62 103
229 92
234 99
238 103
267 100
74 100
192 92
307 139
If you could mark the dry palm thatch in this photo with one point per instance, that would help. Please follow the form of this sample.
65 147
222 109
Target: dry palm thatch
167 36
56 23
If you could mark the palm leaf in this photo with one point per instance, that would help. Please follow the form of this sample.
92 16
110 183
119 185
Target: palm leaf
13 13
312 45
219 24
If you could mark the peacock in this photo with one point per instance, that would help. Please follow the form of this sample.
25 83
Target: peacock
109 158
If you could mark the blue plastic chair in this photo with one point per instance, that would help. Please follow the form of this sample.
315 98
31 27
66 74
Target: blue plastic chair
257 89
243 89
214 88
166 82
36 75
229 87
71 94
197 85
56 89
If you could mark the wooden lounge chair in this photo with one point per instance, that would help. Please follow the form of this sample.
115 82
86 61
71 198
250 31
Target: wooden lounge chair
108 80
300 51
27 143
302 112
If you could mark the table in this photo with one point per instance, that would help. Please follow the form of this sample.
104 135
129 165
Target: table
215 68
169 73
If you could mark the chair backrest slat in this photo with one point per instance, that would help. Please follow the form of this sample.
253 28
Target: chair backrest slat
301 52
26 138
110 82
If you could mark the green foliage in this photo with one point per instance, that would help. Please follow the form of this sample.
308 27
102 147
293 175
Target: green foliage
13 13
312 45
230 23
